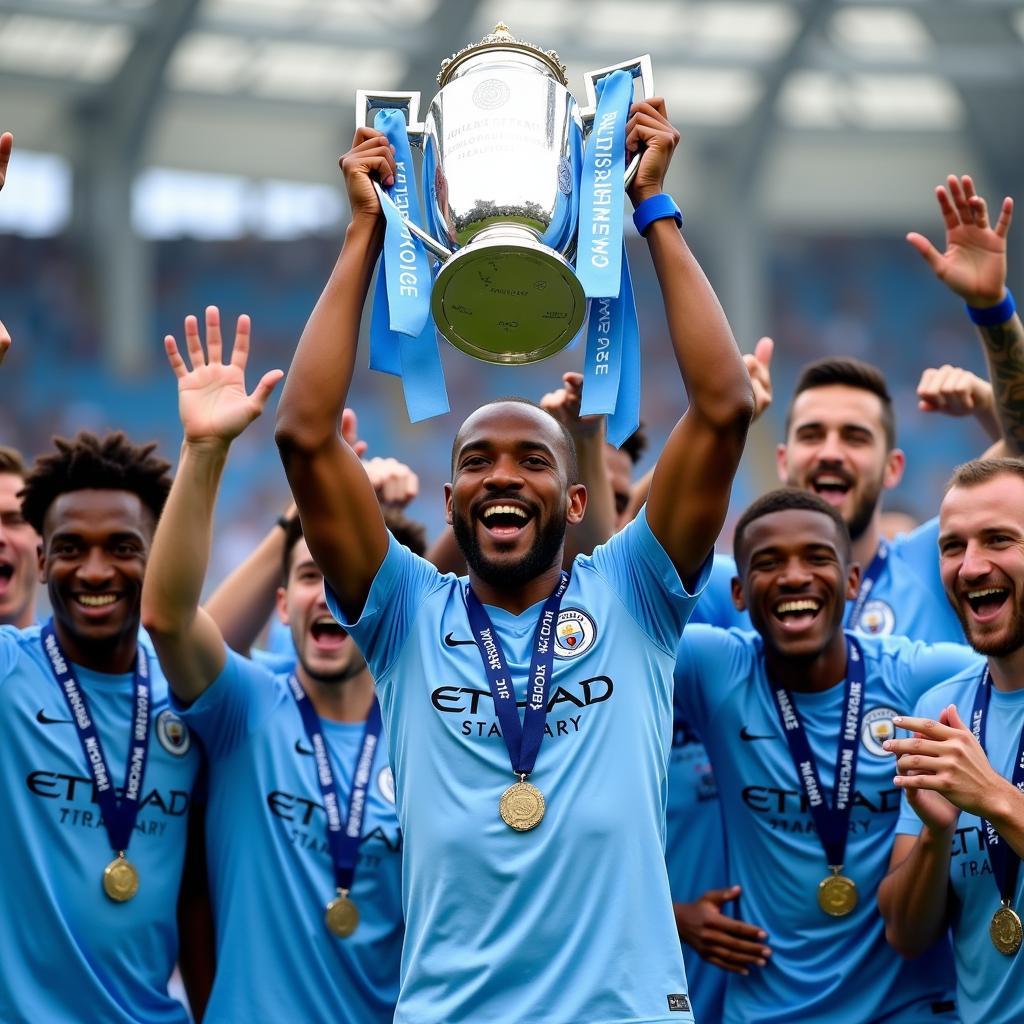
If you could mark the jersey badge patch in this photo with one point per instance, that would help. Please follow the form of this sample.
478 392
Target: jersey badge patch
386 784
877 619
173 734
575 633
876 729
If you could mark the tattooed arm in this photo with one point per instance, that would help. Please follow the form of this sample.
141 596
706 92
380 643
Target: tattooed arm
974 267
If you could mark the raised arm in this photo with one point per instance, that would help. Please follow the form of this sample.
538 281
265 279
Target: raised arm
973 266
341 520
690 489
6 147
214 409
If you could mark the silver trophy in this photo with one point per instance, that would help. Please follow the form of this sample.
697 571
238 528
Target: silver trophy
502 149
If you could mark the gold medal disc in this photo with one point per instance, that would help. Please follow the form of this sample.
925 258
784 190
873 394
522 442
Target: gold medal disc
120 879
1005 931
837 895
522 806
341 917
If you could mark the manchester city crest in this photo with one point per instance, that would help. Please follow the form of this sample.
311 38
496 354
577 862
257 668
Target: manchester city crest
876 729
172 733
386 784
575 633
877 619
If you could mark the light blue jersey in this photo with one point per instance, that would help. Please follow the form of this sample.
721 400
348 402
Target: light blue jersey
270 866
573 920
71 954
276 662
823 969
907 599
989 985
695 854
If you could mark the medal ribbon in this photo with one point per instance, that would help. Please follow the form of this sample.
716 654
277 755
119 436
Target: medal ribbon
522 739
611 368
1003 858
402 337
832 823
343 838
119 816
867 583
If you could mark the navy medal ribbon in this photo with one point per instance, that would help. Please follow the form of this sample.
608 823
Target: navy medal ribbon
522 739
832 823
119 815
867 584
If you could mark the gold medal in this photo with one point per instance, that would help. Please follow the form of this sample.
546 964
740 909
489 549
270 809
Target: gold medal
120 879
837 894
342 915
1005 930
522 806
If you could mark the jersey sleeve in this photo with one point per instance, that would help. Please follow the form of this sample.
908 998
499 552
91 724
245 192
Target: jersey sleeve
923 666
402 583
640 572
920 550
232 707
714 607
708 661
9 650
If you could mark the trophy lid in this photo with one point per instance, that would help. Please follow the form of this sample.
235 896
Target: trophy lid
501 39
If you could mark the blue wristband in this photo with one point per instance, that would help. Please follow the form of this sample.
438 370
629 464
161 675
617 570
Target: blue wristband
992 316
655 208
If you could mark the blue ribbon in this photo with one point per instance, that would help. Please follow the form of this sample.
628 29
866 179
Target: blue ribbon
522 739
402 337
119 816
345 838
832 823
867 584
1003 858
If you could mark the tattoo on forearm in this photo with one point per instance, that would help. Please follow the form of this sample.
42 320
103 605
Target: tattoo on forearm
1004 348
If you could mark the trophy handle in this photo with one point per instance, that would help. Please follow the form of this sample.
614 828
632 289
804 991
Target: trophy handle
368 102
638 67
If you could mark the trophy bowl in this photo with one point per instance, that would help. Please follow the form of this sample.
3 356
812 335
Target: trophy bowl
502 146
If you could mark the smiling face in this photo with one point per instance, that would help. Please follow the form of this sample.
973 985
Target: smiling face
837 448
795 580
19 547
981 559
325 651
510 498
93 557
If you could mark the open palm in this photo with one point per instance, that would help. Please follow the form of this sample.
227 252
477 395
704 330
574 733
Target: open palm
974 263
212 400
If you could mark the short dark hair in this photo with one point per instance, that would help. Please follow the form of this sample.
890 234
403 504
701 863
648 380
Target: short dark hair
853 373
405 530
782 500
108 463
11 461
635 445
570 445
980 471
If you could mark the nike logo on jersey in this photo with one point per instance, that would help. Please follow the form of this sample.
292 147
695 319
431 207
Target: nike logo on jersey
43 719
300 749
449 642
745 734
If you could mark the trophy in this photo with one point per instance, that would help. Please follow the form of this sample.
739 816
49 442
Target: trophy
503 150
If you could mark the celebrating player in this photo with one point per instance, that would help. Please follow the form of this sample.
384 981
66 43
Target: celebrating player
98 769
956 858
546 900
19 547
301 825
793 718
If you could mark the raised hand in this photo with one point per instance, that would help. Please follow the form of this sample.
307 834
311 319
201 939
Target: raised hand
394 483
371 153
564 405
212 400
6 148
974 263
759 364
350 432
721 940
648 124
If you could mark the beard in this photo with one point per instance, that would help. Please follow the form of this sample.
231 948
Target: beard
864 511
550 537
1000 645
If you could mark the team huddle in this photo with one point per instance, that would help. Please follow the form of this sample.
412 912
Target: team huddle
521 775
